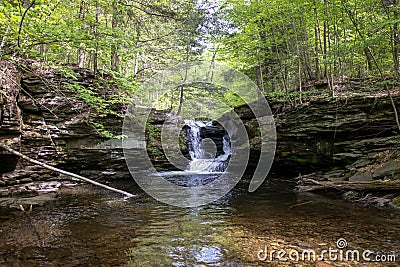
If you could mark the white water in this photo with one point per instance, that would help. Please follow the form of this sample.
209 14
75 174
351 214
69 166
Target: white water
199 166
198 161
194 135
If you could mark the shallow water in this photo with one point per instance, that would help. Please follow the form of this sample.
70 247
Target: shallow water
91 227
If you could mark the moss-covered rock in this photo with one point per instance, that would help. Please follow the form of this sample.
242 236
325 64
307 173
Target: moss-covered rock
396 202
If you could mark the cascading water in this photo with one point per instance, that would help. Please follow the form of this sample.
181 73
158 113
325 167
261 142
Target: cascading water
199 161
204 167
195 140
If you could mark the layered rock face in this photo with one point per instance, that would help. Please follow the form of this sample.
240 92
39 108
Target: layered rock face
350 145
10 114
46 122
353 137
341 132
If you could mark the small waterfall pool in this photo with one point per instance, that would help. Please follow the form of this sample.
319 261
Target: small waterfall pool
205 164
89 226
202 159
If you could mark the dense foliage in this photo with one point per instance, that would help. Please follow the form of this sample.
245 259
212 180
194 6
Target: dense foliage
128 37
283 45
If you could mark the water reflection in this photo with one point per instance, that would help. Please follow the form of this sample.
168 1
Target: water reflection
183 238
91 227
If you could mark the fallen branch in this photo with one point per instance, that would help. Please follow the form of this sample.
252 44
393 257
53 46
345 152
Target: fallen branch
301 204
310 185
44 165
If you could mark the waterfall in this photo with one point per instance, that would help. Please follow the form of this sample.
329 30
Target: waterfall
226 147
195 150
199 161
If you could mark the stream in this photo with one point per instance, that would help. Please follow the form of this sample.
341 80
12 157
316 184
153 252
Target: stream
88 226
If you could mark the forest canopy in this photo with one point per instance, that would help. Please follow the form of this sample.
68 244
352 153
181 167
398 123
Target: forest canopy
282 45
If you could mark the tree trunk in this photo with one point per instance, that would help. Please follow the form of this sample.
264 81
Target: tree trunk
396 39
367 50
96 45
316 34
21 23
81 51
184 81
137 54
81 58
310 185
325 38
369 58
259 76
299 57
114 48
307 50
282 69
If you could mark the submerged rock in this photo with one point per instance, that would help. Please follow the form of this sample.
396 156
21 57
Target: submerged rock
31 194
26 202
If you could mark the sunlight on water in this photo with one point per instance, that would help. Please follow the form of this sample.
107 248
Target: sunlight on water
85 228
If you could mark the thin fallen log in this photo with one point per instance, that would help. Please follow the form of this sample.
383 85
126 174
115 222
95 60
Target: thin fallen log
44 165
301 204
310 185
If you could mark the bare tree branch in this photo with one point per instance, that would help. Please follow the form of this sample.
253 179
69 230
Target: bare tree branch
44 165
22 21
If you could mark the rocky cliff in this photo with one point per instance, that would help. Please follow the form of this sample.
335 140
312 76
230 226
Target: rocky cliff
328 134
45 121
346 138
